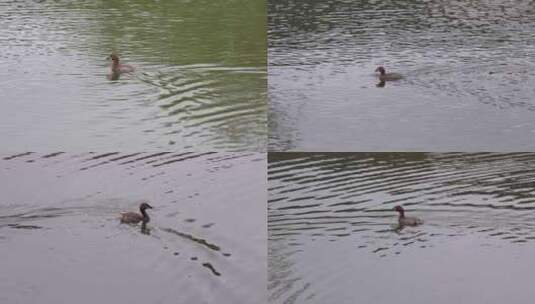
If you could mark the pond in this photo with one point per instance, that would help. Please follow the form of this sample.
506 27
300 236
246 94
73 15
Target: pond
333 234
467 67
199 81
61 240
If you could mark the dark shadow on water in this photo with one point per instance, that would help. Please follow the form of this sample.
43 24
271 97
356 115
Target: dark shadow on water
193 238
144 229
113 76
209 266
19 226
397 229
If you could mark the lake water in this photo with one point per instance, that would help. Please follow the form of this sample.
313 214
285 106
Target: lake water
467 66
332 231
61 240
200 80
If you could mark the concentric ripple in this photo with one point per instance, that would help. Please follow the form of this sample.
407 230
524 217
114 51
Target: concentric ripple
200 80
330 216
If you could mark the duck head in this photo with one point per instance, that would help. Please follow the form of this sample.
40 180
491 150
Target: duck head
380 70
400 210
114 58
144 206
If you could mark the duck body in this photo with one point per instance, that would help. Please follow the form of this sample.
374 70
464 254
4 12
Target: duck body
118 68
407 220
410 221
384 76
134 218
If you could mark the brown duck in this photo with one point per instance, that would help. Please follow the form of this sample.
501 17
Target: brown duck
118 68
134 218
407 220
384 76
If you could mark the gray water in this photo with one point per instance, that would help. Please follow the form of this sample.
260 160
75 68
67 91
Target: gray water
200 80
61 240
333 234
468 75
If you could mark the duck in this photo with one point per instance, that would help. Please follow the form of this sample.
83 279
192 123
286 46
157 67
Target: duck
134 218
407 220
384 76
117 68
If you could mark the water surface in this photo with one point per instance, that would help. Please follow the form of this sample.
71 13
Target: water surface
200 80
468 68
332 231
61 240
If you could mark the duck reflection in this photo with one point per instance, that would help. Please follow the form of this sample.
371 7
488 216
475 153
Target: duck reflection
113 76
144 228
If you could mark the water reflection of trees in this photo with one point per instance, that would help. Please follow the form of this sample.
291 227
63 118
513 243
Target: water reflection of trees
287 18
176 32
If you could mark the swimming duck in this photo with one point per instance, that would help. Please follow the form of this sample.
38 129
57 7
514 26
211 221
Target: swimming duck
117 68
134 218
407 220
384 76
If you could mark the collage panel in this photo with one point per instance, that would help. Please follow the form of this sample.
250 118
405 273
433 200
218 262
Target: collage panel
389 75
133 75
133 228
400 227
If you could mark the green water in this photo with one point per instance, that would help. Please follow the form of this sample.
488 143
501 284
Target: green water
200 81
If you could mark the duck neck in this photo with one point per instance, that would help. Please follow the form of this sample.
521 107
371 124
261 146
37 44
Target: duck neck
145 215
115 65
401 213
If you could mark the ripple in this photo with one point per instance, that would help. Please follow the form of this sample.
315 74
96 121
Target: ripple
187 92
329 207
456 58
61 211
